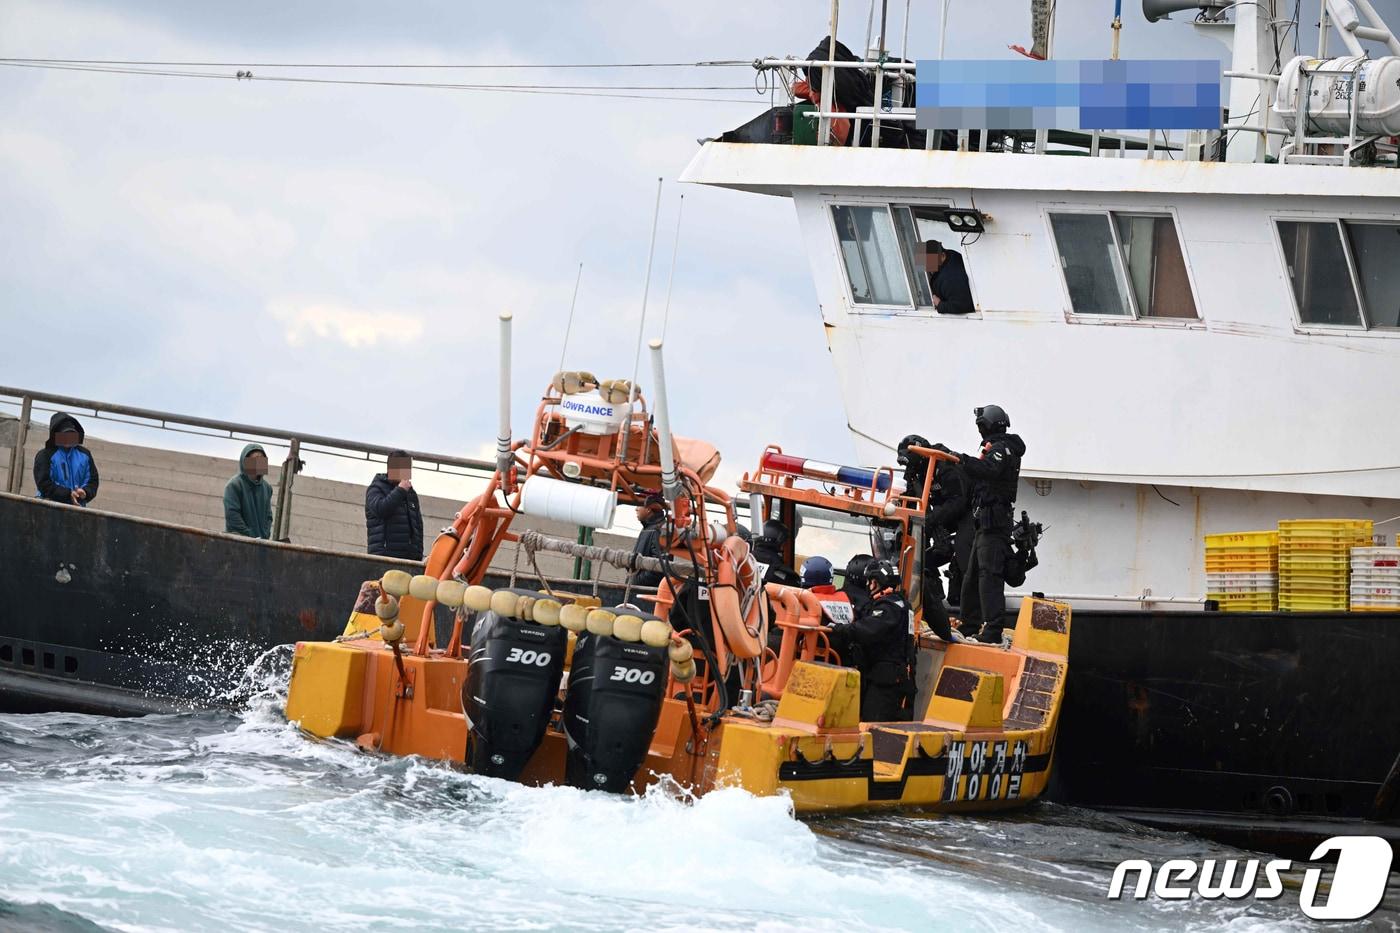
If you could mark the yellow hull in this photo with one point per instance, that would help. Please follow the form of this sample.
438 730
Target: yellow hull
984 742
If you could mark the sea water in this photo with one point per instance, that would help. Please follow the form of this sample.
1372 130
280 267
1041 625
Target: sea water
235 820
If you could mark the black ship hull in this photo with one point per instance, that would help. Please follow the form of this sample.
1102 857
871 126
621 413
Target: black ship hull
1269 730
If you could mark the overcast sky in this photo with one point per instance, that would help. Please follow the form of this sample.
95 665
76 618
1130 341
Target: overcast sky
332 259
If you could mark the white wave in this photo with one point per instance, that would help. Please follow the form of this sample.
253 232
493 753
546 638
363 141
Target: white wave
248 824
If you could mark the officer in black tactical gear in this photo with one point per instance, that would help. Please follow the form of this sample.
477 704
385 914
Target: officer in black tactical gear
947 527
854 585
993 474
878 643
768 551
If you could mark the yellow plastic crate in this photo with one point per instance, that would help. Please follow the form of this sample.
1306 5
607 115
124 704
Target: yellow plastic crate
1294 604
1250 565
1314 525
1251 596
1236 539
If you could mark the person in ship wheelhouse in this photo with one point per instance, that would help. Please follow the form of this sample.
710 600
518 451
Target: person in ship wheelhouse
994 475
393 518
880 644
947 279
64 470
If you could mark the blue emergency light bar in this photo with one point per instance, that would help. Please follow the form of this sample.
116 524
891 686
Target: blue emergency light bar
861 477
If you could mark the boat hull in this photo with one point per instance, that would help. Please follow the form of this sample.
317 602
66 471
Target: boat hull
984 740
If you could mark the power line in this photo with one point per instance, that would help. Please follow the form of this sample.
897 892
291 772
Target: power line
564 90
720 63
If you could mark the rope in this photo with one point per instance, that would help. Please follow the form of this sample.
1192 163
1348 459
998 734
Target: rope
763 711
543 581
617 557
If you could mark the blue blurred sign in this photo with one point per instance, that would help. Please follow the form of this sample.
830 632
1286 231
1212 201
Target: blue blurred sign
1140 94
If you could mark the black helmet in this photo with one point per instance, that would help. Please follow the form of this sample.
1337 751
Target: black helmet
991 419
856 567
775 533
911 440
882 575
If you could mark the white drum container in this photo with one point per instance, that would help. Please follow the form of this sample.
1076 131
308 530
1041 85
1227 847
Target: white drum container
571 503
1376 84
590 413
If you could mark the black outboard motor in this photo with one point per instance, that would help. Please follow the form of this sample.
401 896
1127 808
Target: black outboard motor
611 709
511 686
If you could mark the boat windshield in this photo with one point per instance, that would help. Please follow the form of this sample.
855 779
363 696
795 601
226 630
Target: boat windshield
839 536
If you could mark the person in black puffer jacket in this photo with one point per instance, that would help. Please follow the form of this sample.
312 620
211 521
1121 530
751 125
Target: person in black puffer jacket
393 520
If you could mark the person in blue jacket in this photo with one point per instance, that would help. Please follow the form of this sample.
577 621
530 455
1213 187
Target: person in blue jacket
64 470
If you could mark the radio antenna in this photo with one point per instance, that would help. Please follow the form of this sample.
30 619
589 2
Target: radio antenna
646 289
569 327
671 279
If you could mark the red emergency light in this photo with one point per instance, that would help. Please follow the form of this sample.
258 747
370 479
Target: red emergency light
861 477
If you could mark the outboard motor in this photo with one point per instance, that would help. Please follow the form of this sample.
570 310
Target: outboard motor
512 683
611 709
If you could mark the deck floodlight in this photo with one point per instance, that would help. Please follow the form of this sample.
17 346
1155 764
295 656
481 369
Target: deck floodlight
963 220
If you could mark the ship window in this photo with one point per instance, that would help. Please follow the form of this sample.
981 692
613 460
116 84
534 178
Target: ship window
1317 267
870 252
1376 251
909 240
1093 267
1156 267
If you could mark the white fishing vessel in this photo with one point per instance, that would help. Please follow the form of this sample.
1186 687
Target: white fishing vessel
1194 333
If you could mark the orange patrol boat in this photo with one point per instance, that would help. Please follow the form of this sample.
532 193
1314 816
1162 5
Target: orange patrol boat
539 686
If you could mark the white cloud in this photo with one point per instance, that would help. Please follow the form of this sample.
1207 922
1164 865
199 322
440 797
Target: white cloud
352 327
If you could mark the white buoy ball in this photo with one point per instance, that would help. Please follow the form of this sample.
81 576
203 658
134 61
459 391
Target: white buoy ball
655 633
450 593
600 622
627 628
423 587
477 598
395 582
574 617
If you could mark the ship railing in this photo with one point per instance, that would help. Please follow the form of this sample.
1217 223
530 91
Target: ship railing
294 442
1096 142
27 403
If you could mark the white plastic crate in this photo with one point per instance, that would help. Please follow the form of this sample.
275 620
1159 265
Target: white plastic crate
1258 581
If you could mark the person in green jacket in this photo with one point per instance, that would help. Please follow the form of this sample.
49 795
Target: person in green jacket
248 497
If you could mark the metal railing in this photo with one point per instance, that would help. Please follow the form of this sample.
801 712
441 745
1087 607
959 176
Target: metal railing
1368 25
296 442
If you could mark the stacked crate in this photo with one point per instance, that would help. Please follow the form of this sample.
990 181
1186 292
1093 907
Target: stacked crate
1314 562
1242 571
1375 579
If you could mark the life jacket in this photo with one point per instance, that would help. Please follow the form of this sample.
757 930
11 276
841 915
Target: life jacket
836 605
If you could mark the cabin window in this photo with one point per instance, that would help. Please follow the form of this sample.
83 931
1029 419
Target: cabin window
1318 269
1156 266
1092 264
871 254
1123 264
1376 251
909 240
